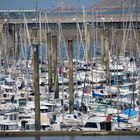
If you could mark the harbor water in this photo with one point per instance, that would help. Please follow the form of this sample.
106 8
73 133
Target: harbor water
74 138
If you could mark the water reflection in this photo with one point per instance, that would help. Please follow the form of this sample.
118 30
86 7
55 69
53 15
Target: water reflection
91 138
37 138
17 138
73 138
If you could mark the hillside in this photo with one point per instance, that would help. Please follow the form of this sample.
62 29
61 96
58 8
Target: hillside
117 3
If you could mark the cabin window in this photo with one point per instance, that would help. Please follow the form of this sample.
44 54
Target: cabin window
5 117
24 117
75 117
13 127
15 117
15 101
91 125
4 95
44 127
131 87
1 127
11 117
105 125
6 127
43 110
6 90
27 127
125 87
30 127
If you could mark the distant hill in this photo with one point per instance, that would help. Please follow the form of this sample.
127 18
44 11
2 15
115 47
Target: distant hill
116 6
117 3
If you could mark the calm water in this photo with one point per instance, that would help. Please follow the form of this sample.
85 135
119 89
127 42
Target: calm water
74 138
78 52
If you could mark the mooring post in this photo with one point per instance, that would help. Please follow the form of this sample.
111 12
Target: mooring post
70 67
56 84
36 86
49 45
36 79
102 35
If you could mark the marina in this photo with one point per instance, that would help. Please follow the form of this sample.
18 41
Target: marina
77 76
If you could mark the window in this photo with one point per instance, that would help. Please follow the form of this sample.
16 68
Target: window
5 117
27 127
13 127
30 127
11 117
91 125
75 117
105 125
15 117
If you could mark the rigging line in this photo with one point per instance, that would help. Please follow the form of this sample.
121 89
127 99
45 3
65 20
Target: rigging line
22 46
36 12
112 40
60 37
84 85
96 33
25 51
24 41
78 43
130 11
45 39
5 45
125 32
47 27
63 40
81 40
40 28
85 34
124 38
123 49
103 22
16 43
40 37
134 32
85 31
131 21
129 29
77 58
92 55
46 20
27 30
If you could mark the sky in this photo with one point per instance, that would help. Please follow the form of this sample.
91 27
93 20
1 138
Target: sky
43 4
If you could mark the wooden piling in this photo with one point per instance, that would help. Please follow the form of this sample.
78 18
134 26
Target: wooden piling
70 67
49 40
102 47
56 85
36 80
